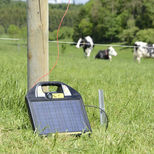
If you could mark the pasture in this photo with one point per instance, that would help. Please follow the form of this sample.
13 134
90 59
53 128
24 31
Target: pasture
128 94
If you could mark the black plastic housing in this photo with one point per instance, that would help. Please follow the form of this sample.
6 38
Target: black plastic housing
64 113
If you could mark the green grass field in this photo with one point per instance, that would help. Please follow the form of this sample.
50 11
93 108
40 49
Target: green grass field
128 94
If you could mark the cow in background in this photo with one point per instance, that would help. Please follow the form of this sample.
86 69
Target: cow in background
106 54
87 44
142 49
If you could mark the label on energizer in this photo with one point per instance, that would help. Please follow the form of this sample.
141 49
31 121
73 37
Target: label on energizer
57 95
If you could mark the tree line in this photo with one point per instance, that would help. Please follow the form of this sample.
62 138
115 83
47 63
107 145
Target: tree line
116 20
104 20
13 20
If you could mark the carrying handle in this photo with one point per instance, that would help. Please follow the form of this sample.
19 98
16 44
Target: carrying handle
61 88
49 83
37 91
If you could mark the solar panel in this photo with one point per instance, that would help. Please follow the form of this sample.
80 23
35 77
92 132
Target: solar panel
64 113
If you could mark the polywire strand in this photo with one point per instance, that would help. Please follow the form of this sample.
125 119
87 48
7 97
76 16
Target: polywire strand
96 44
73 43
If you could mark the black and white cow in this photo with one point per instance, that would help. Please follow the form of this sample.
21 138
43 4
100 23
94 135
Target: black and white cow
142 49
106 54
87 44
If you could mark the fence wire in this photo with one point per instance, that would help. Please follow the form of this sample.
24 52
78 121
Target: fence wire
74 43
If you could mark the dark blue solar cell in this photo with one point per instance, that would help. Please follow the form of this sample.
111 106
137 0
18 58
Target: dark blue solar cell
59 116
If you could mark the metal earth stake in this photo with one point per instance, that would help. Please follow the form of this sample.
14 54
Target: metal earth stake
102 106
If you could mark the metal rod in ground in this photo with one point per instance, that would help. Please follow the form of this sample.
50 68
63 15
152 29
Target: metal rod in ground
101 105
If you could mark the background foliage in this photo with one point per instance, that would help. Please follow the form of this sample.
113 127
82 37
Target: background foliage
116 20
103 20
13 19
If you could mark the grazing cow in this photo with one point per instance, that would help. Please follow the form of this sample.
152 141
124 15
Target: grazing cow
106 54
142 49
87 44
138 44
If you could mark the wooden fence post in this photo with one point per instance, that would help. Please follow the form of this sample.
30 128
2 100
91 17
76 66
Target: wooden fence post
37 49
